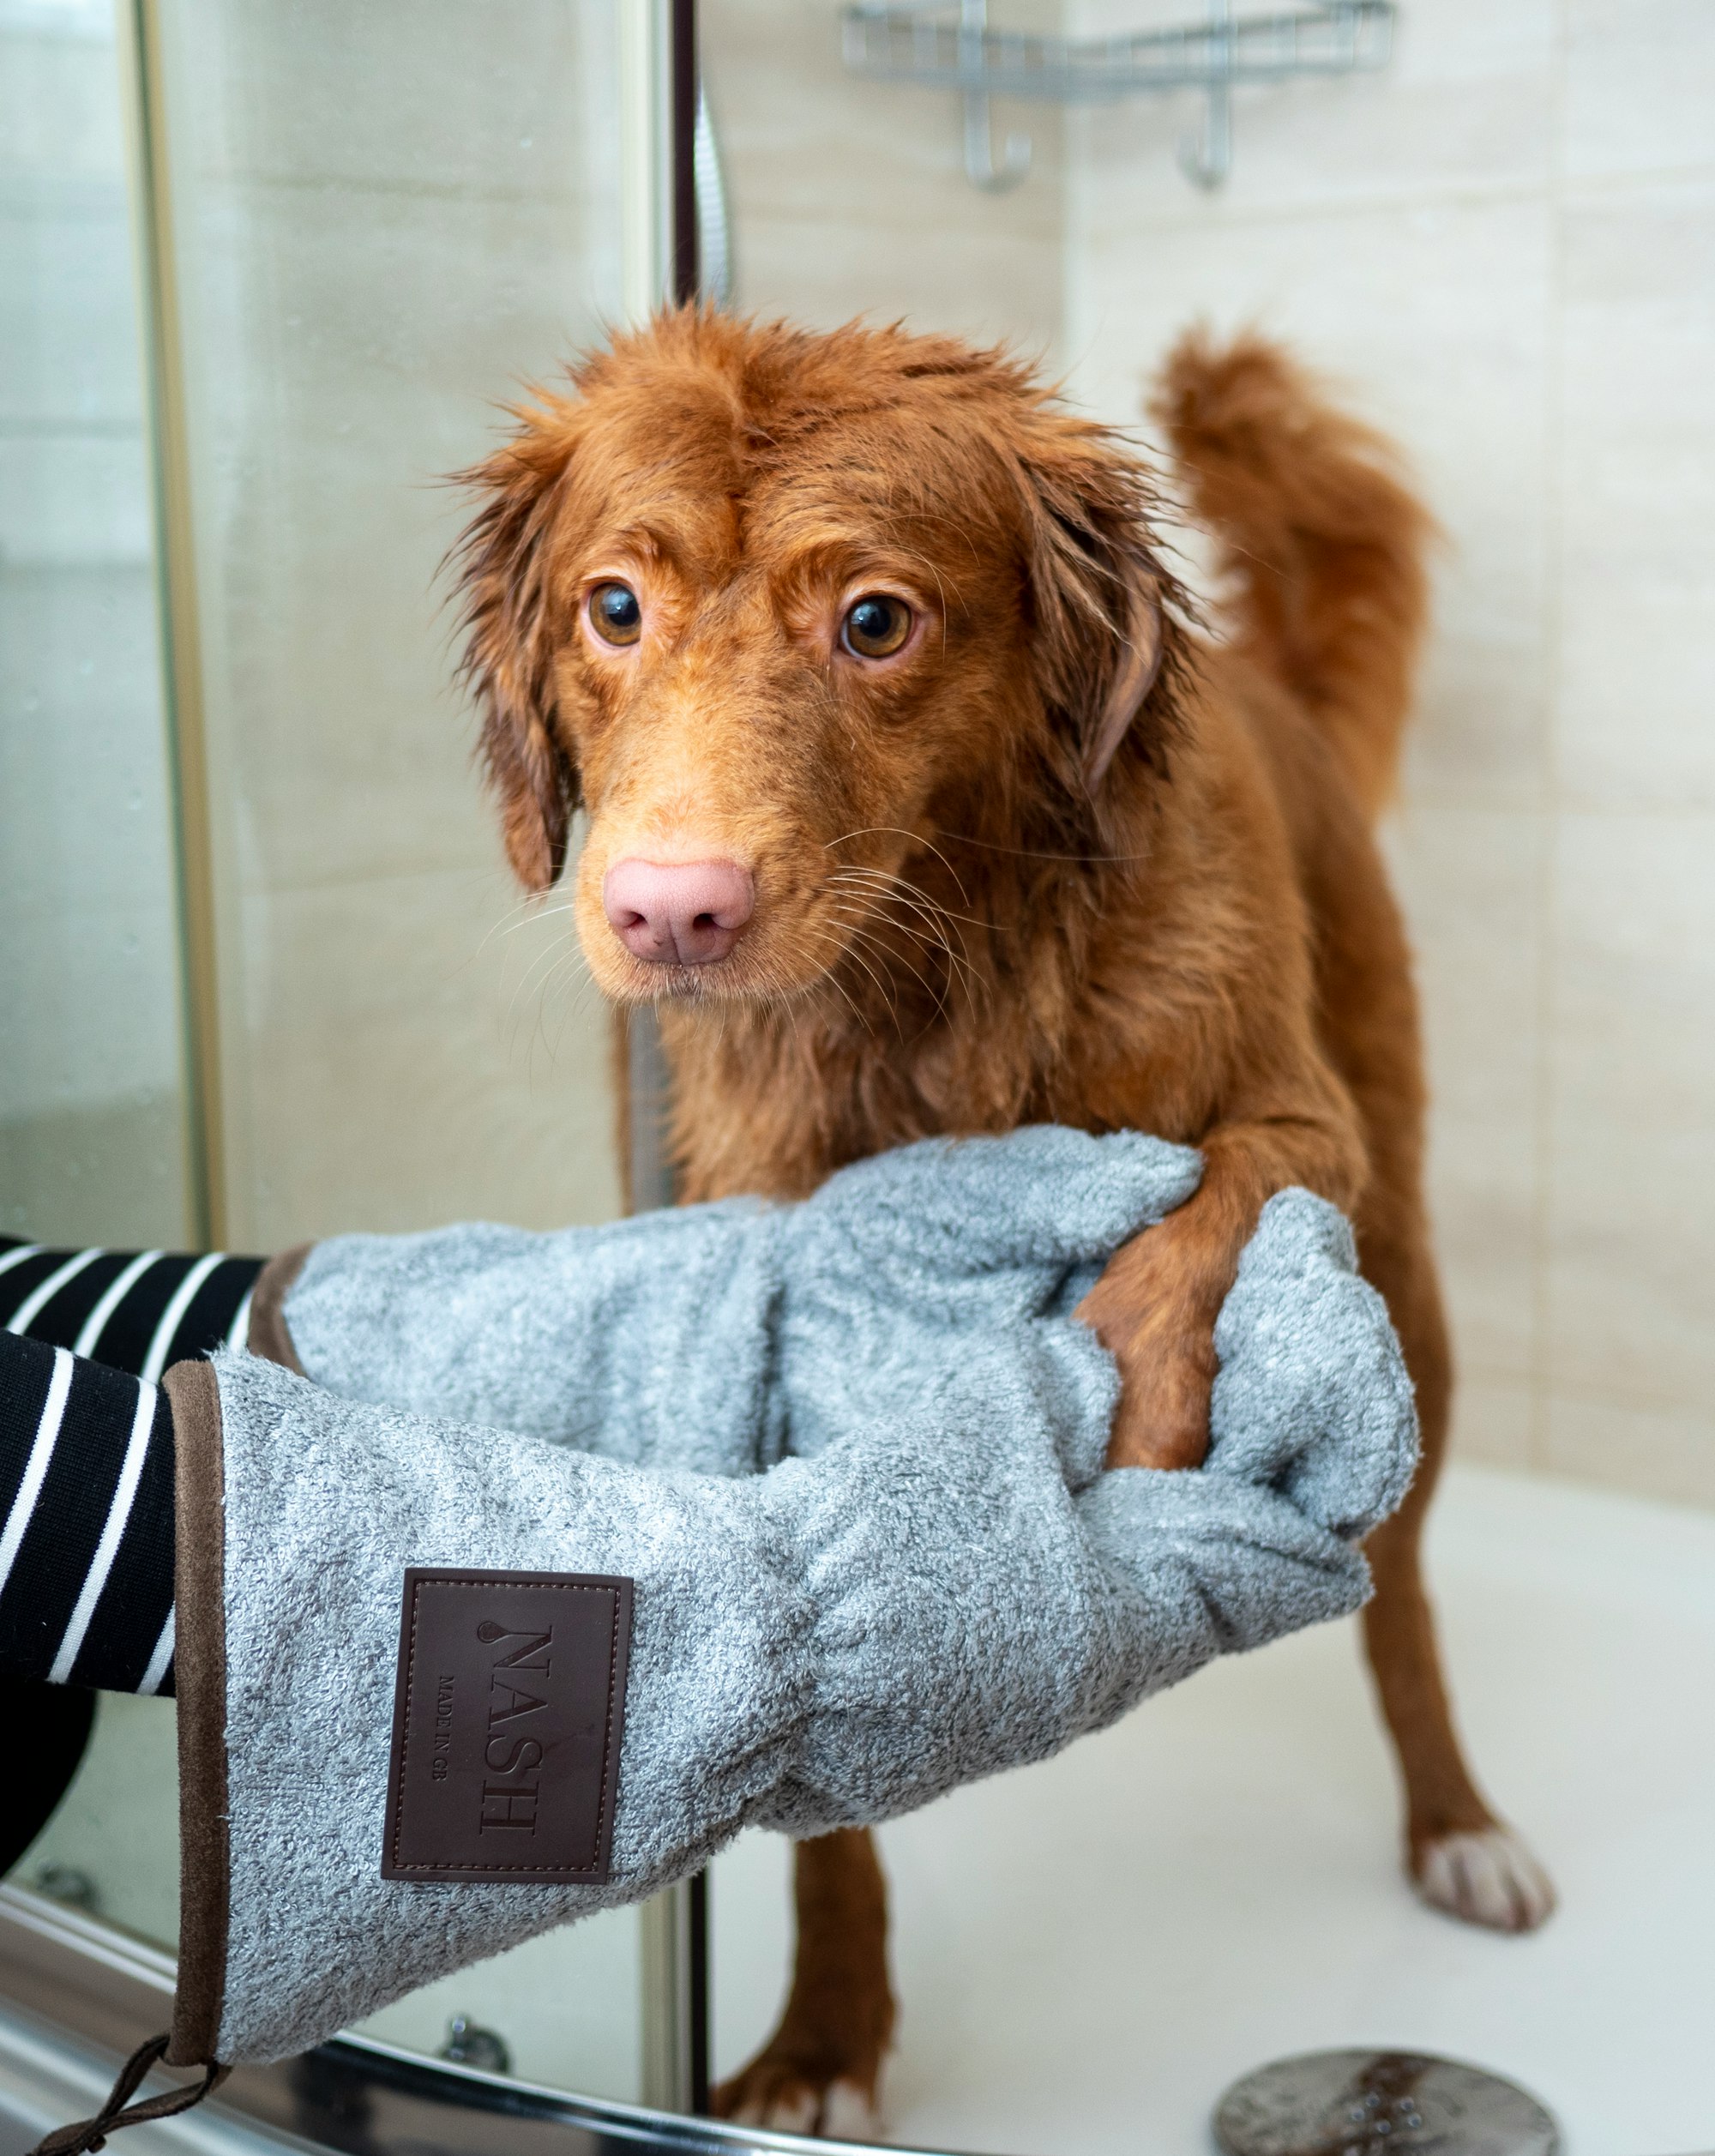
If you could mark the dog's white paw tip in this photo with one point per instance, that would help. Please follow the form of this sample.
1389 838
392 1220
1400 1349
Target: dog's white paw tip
1488 1877
850 2114
787 2112
791 2102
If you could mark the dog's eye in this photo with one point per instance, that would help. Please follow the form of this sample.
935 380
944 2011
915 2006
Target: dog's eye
615 614
875 626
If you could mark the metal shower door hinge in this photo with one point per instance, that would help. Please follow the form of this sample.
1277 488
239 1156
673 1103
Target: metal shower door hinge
948 44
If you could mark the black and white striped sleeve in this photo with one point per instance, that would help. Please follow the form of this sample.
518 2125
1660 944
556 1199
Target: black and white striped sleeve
86 1452
86 1544
136 1311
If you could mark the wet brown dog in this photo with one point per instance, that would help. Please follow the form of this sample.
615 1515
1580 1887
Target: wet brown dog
917 806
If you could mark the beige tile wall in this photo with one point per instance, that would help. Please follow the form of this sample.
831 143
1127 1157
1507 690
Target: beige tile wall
848 197
1505 248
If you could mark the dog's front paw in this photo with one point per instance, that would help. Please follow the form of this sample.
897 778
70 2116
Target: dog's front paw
1163 1417
1155 1316
1484 1875
793 2098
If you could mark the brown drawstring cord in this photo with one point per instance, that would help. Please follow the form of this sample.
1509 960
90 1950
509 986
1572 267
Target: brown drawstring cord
91 2134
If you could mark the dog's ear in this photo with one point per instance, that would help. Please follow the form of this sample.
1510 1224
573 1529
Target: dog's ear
1102 600
505 572
1131 675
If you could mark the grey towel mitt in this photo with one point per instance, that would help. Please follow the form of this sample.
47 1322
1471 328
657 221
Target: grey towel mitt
946 1586
722 1337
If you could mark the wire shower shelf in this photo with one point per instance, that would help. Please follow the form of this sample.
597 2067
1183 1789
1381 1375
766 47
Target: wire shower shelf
952 47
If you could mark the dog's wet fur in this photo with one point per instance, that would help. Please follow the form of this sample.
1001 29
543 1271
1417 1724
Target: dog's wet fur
1060 856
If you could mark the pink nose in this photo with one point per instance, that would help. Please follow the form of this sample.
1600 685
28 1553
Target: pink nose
687 913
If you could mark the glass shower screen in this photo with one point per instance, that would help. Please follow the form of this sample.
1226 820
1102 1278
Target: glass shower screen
383 222
361 229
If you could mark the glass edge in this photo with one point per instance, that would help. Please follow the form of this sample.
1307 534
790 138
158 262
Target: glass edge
83 1980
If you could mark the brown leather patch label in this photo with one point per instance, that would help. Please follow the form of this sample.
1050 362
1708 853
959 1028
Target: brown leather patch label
507 1721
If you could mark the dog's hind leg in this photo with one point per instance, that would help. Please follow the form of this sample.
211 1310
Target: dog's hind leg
821 2070
1462 1858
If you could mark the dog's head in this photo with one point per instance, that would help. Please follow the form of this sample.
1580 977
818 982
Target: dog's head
780 610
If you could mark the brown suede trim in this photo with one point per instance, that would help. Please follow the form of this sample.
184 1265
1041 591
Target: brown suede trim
268 1335
200 1670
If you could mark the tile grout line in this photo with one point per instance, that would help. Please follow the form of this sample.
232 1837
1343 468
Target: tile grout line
1435 195
1548 832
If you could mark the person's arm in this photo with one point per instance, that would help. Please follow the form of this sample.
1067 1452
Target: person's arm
86 1452
134 1310
85 1522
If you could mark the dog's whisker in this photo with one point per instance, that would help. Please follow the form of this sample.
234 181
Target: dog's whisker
565 963
555 956
925 909
864 922
893 830
1035 853
935 924
860 932
542 913
903 885
834 982
869 869
890 997
882 989
525 1009
842 939
927 938
529 903
933 936
564 1007
938 994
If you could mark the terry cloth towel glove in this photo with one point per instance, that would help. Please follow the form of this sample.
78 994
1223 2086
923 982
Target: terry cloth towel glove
946 1586
722 1337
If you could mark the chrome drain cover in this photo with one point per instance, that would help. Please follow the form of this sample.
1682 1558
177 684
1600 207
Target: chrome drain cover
1362 2103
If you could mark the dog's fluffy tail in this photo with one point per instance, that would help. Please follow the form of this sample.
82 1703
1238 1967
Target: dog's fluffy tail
1317 531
